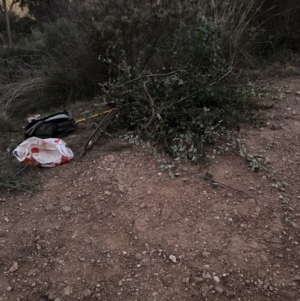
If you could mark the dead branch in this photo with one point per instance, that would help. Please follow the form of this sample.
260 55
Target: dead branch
152 107
12 4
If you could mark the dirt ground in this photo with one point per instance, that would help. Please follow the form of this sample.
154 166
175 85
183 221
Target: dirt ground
113 226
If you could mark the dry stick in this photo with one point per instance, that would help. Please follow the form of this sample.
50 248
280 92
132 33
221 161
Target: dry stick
217 182
148 75
152 107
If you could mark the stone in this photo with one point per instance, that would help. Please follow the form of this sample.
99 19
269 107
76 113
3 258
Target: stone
140 225
138 256
14 267
198 279
66 208
66 291
261 274
219 289
167 280
217 279
173 258
287 294
205 254
296 278
264 259
32 272
51 296
121 188
108 193
87 293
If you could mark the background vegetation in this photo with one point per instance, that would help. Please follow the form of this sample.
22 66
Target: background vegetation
171 67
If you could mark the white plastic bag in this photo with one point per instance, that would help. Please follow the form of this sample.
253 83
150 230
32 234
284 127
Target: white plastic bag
43 152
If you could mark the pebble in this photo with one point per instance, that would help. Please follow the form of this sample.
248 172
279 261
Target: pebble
205 254
167 279
173 258
263 258
219 289
140 225
261 274
121 188
138 256
296 278
87 293
14 267
66 291
108 193
217 279
198 279
66 208
9 288
32 272
51 296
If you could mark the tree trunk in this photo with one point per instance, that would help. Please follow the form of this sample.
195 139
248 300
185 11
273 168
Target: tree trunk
7 22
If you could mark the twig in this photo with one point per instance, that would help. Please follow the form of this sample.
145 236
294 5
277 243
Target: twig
152 107
147 76
217 182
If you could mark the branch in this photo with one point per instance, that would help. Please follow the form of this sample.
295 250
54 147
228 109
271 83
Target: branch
147 76
152 107
12 4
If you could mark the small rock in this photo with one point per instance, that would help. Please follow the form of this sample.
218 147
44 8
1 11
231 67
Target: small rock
66 291
218 289
287 294
206 267
121 188
138 256
32 272
229 194
261 274
205 254
173 258
296 278
108 193
66 208
206 275
9 288
217 279
198 279
14 267
264 259
51 296
87 293
140 225
167 280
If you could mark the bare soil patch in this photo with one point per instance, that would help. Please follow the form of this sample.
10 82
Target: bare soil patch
113 226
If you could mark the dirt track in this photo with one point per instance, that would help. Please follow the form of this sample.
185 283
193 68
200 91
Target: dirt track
113 226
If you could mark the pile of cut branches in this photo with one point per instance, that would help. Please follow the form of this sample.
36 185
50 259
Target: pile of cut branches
187 103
